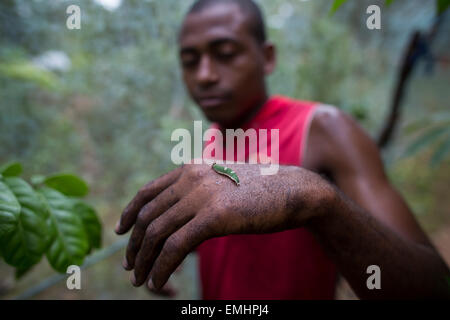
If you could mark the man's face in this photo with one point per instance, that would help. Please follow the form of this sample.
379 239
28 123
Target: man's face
223 64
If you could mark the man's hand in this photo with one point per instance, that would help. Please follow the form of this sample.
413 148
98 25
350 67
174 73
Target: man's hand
176 212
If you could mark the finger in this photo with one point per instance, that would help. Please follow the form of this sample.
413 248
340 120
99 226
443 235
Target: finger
145 195
178 246
148 213
166 291
179 268
155 235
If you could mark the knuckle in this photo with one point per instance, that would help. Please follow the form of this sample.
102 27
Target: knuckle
147 185
173 244
219 208
151 233
142 192
189 168
142 218
219 220
195 171
139 195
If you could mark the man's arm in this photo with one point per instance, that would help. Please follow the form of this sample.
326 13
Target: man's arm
173 214
371 225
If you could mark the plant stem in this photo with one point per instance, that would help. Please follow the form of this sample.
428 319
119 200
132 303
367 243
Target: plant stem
91 260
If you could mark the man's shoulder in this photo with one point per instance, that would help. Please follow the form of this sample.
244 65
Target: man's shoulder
334 136
330 118
335 123
326 117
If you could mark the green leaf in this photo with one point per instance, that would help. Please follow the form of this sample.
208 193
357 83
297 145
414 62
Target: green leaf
37 179
389 2
436 119
69 243
442 5
12 169
415 126
91 223
336 5
26 71
9 211
67 184
441 152
359 112
20 272
25 245
424 140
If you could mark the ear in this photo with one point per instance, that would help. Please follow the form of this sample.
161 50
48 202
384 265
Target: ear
270 57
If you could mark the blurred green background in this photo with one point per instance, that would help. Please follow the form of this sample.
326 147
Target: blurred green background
102 102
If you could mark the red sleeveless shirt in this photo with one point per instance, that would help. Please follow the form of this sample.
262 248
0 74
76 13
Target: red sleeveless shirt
284 265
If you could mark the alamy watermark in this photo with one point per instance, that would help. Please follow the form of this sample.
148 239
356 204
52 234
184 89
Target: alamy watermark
374 280
74 19
256 151
374 20
74 280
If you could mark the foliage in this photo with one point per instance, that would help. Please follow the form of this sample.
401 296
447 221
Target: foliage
45 218
434 132
26 71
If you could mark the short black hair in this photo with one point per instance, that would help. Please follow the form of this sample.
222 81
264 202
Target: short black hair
248 7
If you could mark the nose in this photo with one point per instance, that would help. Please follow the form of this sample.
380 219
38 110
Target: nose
206 73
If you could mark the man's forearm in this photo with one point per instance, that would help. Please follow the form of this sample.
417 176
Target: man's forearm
355 240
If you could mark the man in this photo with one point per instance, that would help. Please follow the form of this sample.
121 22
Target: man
276 236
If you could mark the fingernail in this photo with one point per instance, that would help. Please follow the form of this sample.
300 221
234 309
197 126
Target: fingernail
151 284
125 264
117 228
133 279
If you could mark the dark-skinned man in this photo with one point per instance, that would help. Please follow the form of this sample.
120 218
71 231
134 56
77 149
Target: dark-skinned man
281 236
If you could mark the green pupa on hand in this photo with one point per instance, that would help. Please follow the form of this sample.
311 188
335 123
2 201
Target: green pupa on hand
226 172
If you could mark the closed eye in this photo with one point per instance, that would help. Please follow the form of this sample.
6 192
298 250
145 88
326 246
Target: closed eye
189 59
225 50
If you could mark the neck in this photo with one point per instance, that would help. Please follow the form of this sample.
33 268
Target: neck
247 115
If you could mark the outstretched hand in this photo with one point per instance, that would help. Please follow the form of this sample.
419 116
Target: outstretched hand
173 214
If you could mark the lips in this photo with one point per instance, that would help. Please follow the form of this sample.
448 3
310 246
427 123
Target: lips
211 101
